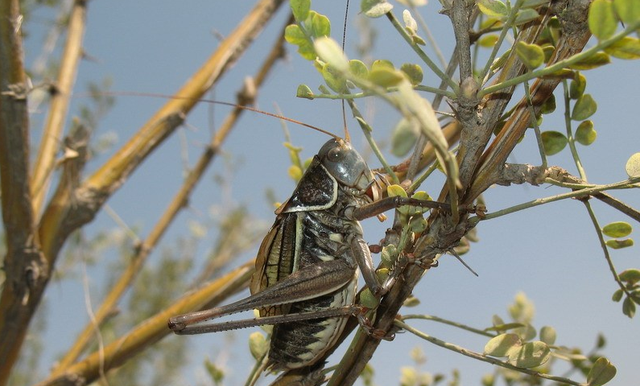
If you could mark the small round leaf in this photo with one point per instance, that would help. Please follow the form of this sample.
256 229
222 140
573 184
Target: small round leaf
385 78
553 142
585 134
601 372
578 85
257 344
602 19
404 137
531 55
627 10
493 8
531 354
300 9
320 25
633 166
631 276
617 295
413 73
358 69
628 307
329 51
584 108
625 48
502 344
375 8
548 335
304 91
617 229
619 244
368 300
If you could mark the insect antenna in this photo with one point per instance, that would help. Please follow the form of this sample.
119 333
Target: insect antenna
211 101
347 137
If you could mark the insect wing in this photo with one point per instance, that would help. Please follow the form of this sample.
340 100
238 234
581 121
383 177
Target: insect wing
276 259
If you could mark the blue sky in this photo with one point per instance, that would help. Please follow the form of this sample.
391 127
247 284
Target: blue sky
550 253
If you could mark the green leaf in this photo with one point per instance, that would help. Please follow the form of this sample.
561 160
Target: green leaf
617 295
493 8
413 72
375 8
396 190
617 229
330 52
304 91
619 244
627 10
631 276
409 21
368 300
334 79
295 172
602 19
584 108
294 35
534 3
404 137
531 55
382 64
553 142
593 61
585 134
578 85
628 307
525 16
625 48
358 69
501 345
601 372
385 78
548 335
633 166
418 224
526 332
258 345
549 105
488 41
320 25
503 326
531 354
300 9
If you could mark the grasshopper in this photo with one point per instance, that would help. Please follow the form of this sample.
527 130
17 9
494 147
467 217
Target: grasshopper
308 264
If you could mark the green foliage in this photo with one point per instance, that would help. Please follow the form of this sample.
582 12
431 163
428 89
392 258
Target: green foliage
602 19
633 166
553 142
584 107
375 8
585 133
531 55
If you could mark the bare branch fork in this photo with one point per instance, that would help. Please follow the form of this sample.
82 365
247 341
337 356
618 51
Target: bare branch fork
33 248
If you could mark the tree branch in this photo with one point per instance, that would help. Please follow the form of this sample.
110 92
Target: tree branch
57 113
25 267
575 37
151 330
175 206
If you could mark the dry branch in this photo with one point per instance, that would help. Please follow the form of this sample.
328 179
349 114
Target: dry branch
57 113
151 330
175 206
28 267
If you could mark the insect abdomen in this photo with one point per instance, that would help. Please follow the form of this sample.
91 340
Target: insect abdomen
300 344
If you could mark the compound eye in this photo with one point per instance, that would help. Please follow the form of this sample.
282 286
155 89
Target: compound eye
335 154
